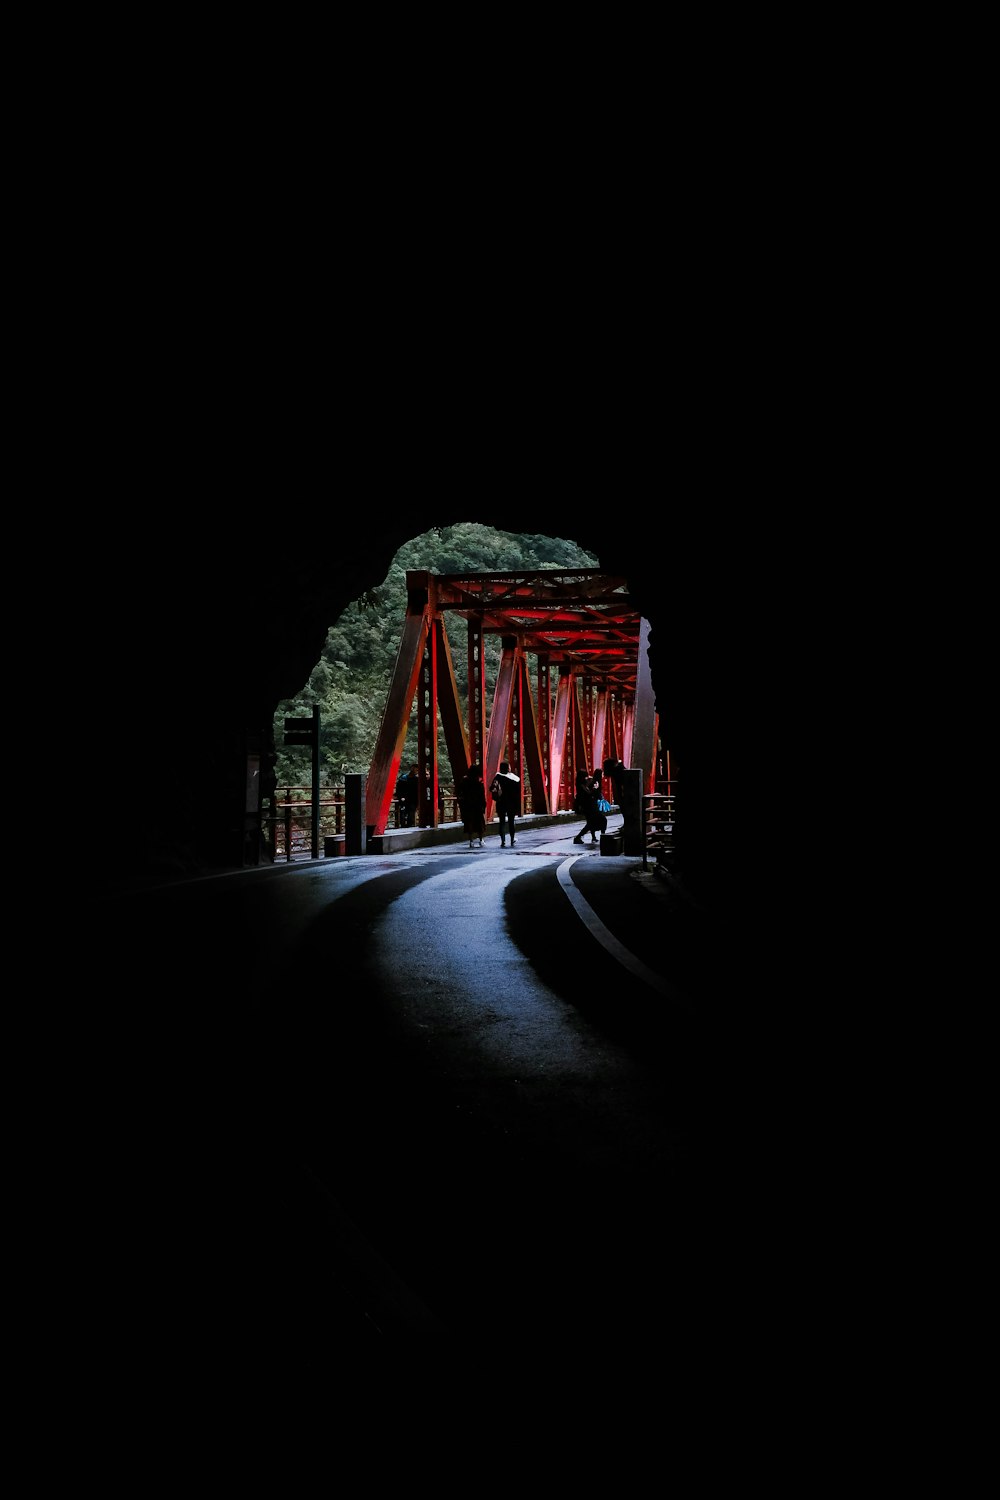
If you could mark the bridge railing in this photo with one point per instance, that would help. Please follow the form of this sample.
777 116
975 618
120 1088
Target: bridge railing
658 820
289 819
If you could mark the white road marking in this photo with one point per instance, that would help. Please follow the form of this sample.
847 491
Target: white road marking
607 939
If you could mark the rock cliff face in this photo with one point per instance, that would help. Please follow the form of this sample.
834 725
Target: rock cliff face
209 627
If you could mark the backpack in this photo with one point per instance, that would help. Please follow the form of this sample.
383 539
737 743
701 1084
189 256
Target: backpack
506 792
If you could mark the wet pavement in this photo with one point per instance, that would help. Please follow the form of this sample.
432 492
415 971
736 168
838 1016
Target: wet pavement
445 1093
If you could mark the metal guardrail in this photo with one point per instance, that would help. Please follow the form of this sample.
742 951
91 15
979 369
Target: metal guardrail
658 823
289 820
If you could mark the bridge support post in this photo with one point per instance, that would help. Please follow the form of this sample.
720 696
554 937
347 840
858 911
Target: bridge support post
633 828
355 833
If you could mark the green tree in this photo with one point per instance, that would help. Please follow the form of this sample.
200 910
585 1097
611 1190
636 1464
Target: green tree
350 682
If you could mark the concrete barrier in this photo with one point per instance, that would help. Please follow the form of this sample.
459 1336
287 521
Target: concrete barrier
396 839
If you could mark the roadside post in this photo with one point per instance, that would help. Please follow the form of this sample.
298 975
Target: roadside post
354 813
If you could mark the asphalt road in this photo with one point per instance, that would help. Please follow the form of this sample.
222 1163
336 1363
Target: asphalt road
449 1093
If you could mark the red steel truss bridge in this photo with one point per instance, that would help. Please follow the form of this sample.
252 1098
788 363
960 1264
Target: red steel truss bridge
591 697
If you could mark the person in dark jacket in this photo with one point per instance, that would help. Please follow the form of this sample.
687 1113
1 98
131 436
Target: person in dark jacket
588 793
408 792
472 801
505 789
614 770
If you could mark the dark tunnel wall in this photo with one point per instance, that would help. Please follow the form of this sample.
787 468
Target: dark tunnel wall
207 629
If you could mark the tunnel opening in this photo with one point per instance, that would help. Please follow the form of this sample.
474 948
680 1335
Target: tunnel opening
526 651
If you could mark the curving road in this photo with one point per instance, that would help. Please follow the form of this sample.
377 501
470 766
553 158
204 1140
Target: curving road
449 1093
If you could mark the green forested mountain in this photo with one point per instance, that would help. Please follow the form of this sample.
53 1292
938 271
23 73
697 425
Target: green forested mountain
350 681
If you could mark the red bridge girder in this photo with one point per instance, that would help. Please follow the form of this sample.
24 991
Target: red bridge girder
578 621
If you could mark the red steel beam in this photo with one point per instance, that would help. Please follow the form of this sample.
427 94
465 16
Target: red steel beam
577 620
496 740
384 772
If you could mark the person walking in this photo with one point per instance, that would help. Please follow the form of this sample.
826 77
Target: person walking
472 801
408 792
588 794
505 789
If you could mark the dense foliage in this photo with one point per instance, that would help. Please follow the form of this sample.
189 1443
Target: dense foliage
351 680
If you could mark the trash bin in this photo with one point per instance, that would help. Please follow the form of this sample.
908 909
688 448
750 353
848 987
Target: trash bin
335 843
